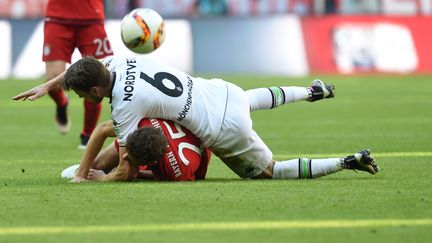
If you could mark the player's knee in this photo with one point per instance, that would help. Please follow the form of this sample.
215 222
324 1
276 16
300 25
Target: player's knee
267 173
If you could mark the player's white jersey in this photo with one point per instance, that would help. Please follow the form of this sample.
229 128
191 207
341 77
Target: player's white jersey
146 88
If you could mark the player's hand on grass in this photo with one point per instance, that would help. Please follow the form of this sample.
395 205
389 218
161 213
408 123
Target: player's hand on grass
95 174
78 179
33 94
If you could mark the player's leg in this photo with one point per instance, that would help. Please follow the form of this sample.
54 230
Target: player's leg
303 168
312 168
238 145
91 41
53 69
57 51
248 156
92 113
272 97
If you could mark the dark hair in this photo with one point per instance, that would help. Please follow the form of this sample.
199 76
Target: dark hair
86 73
146 145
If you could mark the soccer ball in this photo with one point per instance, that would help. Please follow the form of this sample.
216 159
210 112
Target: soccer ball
142 30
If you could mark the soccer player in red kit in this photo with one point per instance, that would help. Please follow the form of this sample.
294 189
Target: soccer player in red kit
183 160
71 24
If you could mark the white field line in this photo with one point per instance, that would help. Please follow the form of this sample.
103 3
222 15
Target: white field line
376 155
221 226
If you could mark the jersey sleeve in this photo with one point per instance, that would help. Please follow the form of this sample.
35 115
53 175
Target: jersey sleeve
106 60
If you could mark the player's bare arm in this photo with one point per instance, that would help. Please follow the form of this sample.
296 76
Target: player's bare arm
107 159
123 172
41 90
96 141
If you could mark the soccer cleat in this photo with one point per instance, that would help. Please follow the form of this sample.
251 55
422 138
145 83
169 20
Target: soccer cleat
361 161
70 172
62 121
320 90
83 141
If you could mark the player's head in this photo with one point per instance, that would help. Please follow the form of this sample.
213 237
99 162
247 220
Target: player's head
146 145
88 78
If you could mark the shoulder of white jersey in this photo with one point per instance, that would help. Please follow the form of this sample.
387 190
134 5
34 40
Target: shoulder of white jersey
106 60
112 60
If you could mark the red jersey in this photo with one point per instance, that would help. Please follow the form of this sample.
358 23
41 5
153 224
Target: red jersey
184 160
75 10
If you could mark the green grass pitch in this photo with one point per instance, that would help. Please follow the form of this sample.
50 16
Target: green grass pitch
391 115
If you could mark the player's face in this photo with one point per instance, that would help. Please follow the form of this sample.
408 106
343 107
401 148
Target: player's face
90 96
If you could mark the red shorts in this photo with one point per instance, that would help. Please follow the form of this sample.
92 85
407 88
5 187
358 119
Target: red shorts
60 41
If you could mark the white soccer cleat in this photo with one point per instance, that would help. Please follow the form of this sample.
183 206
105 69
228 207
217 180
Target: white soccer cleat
70 172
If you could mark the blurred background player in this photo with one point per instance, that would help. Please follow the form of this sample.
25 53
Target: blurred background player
71 24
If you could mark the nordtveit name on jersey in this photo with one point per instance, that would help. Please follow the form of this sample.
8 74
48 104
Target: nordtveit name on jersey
130 79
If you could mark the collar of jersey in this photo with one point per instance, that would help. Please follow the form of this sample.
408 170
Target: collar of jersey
112 86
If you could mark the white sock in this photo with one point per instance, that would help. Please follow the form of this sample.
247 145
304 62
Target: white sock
269 98
306 168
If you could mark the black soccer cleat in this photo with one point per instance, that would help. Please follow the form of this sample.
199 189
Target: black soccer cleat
361 161
83 141
320 90
62 121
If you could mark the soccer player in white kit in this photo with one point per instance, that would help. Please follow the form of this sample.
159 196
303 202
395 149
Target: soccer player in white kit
216 111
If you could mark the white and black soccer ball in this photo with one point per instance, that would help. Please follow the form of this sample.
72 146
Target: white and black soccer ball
142 30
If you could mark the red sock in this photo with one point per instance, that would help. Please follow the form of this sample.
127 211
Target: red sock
91 116
59 97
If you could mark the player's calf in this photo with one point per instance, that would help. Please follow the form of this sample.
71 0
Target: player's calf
84 138
62 121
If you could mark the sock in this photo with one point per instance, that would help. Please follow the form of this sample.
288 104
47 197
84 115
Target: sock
269 98
306 168
59 97
91 117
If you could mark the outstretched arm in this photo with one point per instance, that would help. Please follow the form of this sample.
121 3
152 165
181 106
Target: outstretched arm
41 90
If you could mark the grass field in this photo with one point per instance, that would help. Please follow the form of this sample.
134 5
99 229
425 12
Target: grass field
391 115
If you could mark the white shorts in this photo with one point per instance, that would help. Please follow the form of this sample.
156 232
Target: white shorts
238 145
